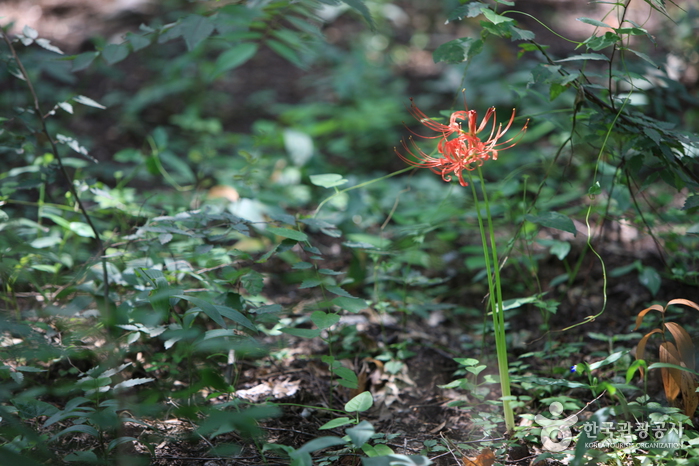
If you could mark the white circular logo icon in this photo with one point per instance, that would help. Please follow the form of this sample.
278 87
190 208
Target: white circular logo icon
556 434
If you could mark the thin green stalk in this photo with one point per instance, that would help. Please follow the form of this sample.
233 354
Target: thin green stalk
495 299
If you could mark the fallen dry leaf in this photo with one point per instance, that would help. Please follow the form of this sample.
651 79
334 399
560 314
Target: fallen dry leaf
485 458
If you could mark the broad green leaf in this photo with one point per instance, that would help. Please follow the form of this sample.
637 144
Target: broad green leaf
349 378
691 203
494 17
350 304
310 283
380 449
82 229
233 58
288 233
360 403
560 249
338 291
470 10
208 308
328 180
320 443
458 50
594 22
302 332
339 422
114 53
554 220
82 61
253 281
137 41
196 28
324 320
650 278
237 317
361 433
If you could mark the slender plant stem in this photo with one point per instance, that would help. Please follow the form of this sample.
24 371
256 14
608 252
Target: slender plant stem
69 181
495 298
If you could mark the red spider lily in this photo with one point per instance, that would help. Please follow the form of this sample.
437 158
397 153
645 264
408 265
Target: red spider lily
460 150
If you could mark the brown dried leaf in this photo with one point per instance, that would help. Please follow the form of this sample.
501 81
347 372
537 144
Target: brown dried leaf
641 348
672 378
686 302
683 342
485 458
639 318
690 397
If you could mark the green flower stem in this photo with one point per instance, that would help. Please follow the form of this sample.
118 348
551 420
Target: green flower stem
495 298
360 185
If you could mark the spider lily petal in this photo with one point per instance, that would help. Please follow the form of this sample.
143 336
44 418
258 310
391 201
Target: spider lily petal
459 150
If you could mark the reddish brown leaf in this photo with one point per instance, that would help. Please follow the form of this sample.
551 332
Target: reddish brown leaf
654 307
485 458
672 378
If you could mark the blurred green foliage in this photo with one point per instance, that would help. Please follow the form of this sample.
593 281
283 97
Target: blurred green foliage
234 161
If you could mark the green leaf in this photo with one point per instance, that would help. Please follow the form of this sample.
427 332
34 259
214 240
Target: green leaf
594 22
360 403
288 233
494 17
236 316
114 53
458 50
324 320
196 28
361 433
560 249
320 443
338 291
208 308
310 283
285 52
691 203
328 180
470 10
302 332
82 229
362 9
645 57
553 220
81 99
253 282
233 58
349 378
82 61
585 56
650 278
137 41
354 305
339 422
